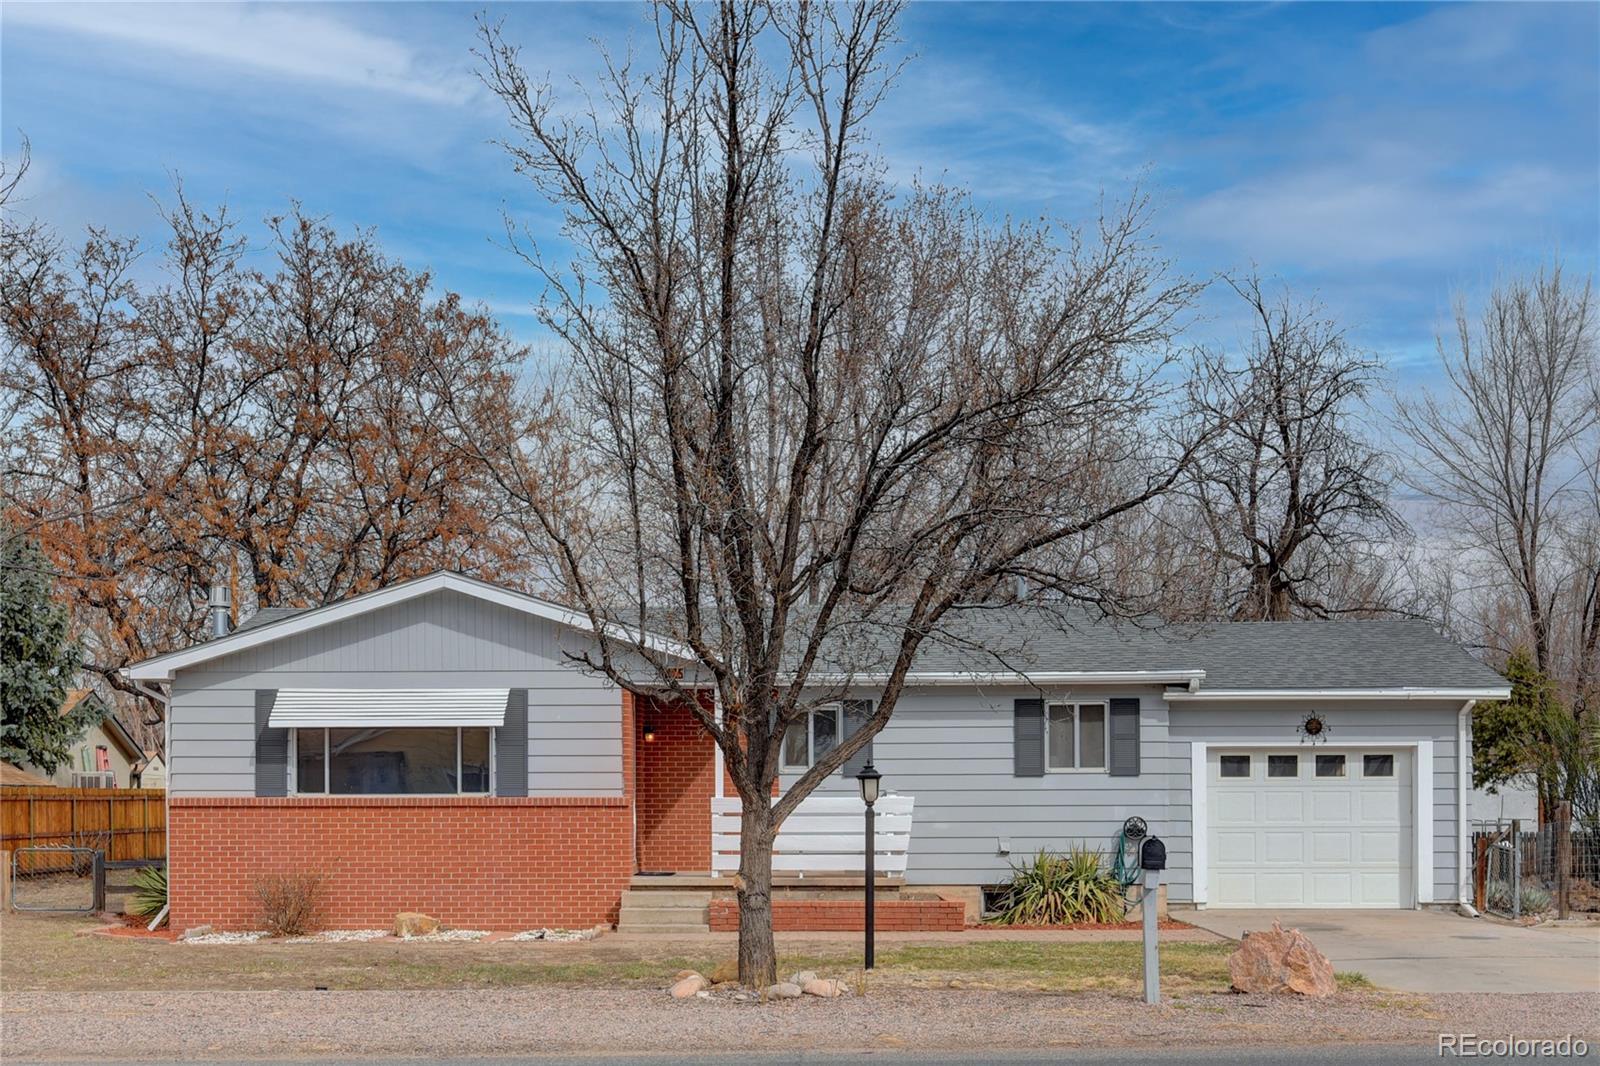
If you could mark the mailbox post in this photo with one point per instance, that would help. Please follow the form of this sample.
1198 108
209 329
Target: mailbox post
1152 859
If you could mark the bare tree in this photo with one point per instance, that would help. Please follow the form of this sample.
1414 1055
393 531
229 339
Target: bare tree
1508 449
813 423
287 424
1292 499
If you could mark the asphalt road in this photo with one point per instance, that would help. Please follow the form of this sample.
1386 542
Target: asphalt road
1359 1055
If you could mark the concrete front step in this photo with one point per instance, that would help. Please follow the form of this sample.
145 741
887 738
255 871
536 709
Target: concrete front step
664 911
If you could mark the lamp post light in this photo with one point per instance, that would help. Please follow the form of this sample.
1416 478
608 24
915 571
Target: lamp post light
868 779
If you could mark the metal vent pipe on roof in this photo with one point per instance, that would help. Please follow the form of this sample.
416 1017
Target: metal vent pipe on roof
219 609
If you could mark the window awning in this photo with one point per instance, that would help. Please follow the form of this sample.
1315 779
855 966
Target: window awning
302 708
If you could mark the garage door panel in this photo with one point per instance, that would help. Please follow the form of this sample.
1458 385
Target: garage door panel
1236 808
1329 807
1380 848
1331 848
1282 807
1239 887
1380 890
1306 841
1279 848
1279 888
1330 889
1236 848
1382 808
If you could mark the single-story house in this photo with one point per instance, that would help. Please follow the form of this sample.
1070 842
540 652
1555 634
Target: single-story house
428 746
105 756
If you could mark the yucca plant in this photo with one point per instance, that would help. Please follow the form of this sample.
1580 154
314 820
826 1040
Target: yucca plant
149 891
1054 889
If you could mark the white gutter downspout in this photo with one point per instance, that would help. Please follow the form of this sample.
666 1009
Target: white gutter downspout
1463 772
165 700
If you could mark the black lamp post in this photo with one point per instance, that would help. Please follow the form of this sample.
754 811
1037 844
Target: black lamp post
868 778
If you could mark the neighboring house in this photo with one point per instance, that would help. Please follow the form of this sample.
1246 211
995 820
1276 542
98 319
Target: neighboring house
16 777
429 746
106 756
151 771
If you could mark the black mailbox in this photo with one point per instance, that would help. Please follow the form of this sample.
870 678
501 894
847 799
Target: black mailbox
1153 854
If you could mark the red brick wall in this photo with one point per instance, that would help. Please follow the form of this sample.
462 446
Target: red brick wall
472 862
829 915
675 779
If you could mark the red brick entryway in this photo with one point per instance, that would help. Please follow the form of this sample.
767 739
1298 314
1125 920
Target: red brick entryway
675 776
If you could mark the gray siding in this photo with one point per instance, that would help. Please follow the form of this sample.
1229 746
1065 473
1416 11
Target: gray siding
442 640
951 748
1352 722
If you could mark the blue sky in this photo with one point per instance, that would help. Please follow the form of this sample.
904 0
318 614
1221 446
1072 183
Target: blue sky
1380 156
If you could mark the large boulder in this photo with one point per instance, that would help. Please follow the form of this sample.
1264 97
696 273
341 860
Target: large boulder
410 923
689 986
1281 961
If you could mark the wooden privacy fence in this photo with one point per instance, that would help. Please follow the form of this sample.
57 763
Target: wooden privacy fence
124 823
825 834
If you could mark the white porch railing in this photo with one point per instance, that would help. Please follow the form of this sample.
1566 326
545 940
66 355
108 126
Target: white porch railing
823 835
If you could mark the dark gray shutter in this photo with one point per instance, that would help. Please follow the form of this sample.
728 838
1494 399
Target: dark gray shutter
856 713
272 749
1028 738
511 747
1124 738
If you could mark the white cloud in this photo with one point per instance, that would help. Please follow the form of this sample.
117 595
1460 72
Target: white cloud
289 43
1385 206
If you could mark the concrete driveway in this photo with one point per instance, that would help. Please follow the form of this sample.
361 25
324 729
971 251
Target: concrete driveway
1433 951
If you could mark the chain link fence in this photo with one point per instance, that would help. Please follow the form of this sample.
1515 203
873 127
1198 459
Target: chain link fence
57 878
1519 868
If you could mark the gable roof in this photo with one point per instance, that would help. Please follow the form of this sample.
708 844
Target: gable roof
1378 656
108 722
1029 644
284 622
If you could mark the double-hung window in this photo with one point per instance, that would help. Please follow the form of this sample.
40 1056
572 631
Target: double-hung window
811 737
393 761
1077 736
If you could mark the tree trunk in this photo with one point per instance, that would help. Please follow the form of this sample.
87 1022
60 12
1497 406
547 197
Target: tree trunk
758 954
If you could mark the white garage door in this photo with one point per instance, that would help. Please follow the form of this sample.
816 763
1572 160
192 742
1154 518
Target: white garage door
1310 827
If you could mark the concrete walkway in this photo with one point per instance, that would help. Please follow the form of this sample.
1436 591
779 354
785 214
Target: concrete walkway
1434 951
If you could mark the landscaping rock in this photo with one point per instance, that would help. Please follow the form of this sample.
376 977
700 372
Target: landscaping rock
818 987
194 931
681 974
727 970
785 990
1280 961
803 978
693 985
409 923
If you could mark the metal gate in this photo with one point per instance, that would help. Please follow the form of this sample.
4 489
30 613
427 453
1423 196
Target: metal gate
56 878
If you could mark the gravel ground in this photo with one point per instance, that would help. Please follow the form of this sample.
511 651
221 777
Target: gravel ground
246 1025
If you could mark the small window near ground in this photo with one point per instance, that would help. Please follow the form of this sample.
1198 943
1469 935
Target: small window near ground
1330 765
1377 766
1235 766
1283 766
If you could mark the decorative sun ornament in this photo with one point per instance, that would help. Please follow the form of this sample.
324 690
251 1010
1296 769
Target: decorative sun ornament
1314 728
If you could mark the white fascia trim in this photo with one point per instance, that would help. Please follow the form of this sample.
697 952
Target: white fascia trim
162 667
1248 694
1042 677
